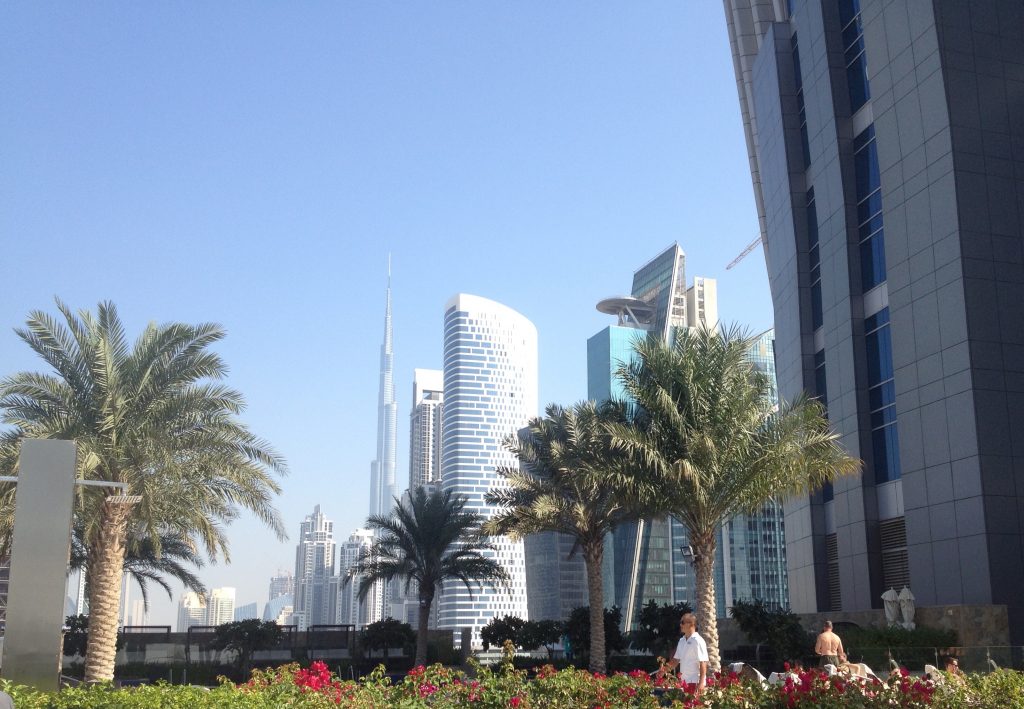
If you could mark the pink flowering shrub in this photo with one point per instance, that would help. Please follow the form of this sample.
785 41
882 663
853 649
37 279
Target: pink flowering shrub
504 687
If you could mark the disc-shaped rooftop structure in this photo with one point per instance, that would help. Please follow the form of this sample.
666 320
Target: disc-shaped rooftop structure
632 312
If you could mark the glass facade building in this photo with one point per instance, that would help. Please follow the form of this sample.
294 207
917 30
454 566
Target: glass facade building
893 245
643 561
490 392
637 563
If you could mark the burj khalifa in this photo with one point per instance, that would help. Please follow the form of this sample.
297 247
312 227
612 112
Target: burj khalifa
382 469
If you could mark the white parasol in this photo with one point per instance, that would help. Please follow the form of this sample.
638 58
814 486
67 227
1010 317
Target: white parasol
892 606
907 608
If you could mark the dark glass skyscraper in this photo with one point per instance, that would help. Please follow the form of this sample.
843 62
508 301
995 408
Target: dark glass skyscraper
886 144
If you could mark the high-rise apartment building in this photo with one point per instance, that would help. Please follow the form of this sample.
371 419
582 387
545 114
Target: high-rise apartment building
137 615
220 606
886 144
191 610
490 392
350 610
314 566
75 603
382 470
283 584
247 612
425 427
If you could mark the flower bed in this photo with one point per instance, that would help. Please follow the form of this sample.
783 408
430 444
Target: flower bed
440 687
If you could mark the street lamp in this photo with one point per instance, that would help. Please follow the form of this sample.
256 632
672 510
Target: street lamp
687 551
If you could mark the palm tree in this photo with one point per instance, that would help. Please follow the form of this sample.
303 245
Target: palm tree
709 434
152 417
573 481
426 540
148 561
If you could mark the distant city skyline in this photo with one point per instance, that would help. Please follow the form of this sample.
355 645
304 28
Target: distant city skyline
521 151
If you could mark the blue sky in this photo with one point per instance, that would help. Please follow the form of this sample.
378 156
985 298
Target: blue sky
252 164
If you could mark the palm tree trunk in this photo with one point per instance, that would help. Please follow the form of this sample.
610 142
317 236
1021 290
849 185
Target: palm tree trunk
593 554
707 618
106 568
426 596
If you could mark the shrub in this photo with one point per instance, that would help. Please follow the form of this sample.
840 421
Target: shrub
246 637
386 634
505 686
498 630
658 627
578 630
777 628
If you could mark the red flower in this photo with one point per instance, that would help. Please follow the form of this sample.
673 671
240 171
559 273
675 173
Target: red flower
515 701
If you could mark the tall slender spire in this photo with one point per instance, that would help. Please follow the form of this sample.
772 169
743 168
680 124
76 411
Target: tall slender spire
382 470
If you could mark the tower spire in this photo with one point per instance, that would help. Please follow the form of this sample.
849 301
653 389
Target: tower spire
382 470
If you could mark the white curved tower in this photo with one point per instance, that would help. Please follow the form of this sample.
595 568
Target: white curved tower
490 391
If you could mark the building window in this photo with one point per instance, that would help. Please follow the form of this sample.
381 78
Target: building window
882 397
814 257
821 392
870 234
895 568
853 53
835 599
801 109
820 380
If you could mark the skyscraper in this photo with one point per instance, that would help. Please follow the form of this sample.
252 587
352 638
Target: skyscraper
246 612
643 561
314 566
350 609
191 610
490 392
555 583
751 550
382 469
283 584
639 559
886 145
425 427
220 606
280 610
137 615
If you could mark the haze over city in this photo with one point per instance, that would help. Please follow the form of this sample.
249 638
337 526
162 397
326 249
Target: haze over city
255 165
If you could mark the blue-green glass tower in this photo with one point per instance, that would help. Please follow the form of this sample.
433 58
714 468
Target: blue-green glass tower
638 556
643 561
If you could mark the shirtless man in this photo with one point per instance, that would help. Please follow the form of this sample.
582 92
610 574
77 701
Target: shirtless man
829 647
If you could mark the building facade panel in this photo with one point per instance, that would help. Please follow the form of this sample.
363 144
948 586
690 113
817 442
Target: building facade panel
915 125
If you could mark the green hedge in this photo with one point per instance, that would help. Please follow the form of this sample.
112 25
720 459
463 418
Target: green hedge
439 687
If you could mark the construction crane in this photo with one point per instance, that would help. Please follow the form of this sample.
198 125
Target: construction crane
750 247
